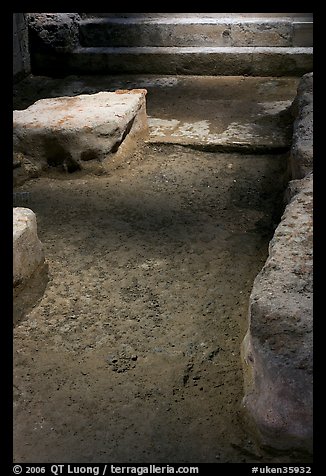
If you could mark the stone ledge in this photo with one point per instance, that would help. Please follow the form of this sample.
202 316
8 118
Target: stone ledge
28 253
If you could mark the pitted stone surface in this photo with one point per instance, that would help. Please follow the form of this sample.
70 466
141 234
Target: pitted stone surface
67 131
53 31
28 252
277 349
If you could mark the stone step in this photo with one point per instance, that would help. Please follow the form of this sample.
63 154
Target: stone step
307 16
228 61
190 31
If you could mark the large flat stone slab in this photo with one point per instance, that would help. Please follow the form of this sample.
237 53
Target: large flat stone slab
28 254
70 131
262 127
277 349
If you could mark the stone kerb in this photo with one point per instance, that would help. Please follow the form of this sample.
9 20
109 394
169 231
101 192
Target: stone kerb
277 349
73 132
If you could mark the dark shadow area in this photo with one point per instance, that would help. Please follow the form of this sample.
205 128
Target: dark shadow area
158 215
58 156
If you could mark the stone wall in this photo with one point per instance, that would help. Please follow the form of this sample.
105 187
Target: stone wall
277 350
21 57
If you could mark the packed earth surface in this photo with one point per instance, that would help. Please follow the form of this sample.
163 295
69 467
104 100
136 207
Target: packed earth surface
129 350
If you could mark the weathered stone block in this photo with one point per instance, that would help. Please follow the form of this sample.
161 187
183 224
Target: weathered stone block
277 349
28 252
70 131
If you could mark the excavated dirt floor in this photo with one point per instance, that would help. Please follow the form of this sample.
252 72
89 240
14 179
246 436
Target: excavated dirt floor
133 352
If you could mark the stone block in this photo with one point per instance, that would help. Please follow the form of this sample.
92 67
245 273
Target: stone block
69 132
28 254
